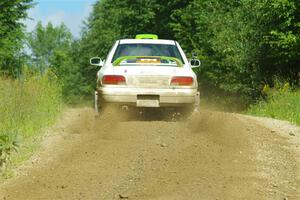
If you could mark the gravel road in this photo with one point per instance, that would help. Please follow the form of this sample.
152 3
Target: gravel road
211 156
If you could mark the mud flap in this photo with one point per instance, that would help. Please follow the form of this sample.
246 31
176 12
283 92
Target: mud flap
96 101
197 102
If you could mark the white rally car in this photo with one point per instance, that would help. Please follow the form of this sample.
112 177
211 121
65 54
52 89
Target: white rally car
146 72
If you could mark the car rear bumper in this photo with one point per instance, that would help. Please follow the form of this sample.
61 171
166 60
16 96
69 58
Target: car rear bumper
165 97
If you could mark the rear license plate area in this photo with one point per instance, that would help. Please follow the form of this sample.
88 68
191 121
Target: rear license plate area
151 101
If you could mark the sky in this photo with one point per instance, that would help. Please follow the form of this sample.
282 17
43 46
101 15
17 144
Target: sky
70 12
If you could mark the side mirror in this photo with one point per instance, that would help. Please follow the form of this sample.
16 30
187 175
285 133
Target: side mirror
195 63
96 61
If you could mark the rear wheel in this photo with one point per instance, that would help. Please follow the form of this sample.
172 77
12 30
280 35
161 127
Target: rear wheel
188 111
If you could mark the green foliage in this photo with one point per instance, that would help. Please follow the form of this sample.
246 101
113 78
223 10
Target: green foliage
243 44
281 40
26 106
219 42
50 46
12 13
54 48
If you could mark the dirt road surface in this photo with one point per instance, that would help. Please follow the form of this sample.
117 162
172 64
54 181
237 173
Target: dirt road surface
208 156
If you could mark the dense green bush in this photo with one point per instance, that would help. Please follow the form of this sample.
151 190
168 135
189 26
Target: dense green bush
26 106
243 44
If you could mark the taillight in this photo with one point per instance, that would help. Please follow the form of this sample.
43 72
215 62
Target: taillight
182 81
113 80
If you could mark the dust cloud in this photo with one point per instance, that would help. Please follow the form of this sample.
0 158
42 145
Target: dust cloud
154 154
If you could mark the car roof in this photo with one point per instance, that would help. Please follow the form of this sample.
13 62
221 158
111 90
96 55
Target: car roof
147 41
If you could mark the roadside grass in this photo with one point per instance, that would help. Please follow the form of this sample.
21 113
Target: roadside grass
280 104
26 107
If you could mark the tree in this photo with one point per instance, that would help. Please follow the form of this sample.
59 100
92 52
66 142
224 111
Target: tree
54 48
50 46
280 44
244 44
12 13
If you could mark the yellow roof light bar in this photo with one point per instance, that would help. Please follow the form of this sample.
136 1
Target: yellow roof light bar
146 36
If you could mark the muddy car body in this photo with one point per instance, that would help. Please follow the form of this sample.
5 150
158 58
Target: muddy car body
146 72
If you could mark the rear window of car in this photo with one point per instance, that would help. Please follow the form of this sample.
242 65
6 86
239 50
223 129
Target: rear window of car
147 50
